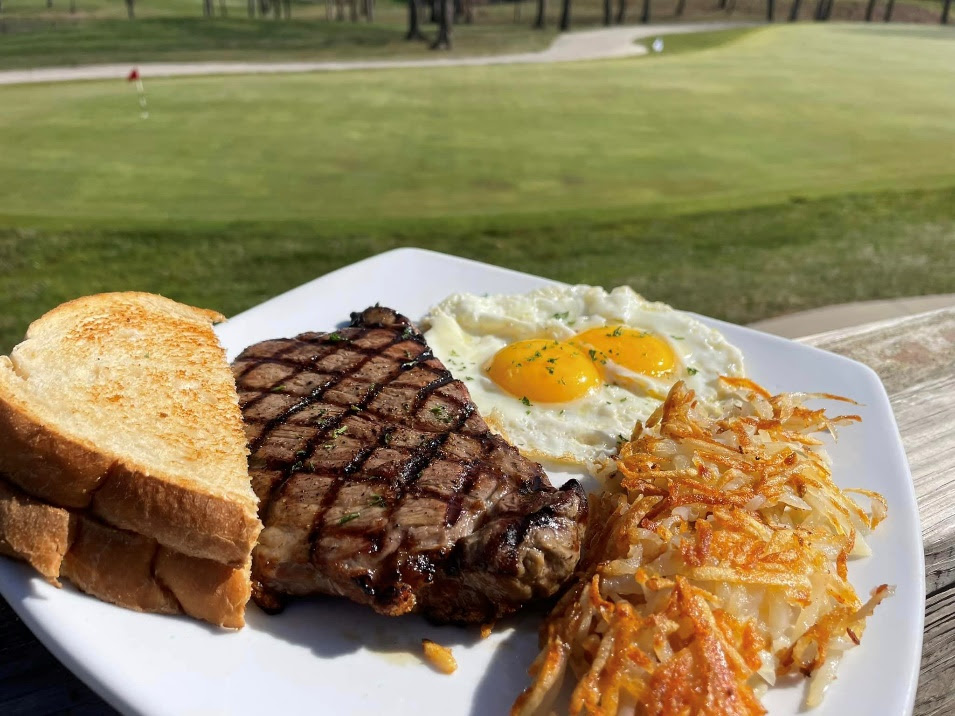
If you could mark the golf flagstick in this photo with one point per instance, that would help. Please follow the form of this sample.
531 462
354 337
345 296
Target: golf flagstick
134 77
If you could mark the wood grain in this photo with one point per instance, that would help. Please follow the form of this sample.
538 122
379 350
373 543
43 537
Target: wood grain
914 356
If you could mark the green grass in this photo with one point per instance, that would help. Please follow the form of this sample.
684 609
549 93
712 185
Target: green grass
738 265
695 41
788 168
777 112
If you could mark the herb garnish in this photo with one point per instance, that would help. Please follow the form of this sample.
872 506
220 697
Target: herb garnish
344 519
526 401
691 371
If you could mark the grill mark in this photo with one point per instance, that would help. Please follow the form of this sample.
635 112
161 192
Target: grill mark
391 569
255 363
278 486
425 392
311 398
328 499
455 504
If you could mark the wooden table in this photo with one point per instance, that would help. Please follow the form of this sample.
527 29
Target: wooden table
915 358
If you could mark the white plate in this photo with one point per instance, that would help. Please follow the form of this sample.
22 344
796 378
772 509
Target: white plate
329 656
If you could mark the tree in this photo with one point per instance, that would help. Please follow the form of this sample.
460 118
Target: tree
207 9
541 20
888 11
680 7
223 10
251 8
414 29
130 9
443 40
794 10
645 14
564 15
770 10
608 12
621 11
945 8
869 9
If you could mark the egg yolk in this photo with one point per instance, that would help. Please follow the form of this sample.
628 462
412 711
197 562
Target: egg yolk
545 371
639 351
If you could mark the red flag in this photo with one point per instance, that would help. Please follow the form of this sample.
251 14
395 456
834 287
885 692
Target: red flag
133 75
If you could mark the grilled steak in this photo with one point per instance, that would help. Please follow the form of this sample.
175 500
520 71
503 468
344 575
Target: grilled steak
379 481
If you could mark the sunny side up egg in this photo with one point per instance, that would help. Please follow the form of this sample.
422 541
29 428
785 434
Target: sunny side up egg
564 372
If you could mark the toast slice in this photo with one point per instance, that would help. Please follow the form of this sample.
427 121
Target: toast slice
122 407
119 566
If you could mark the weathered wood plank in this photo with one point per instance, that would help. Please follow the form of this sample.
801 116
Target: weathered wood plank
905 352
915 357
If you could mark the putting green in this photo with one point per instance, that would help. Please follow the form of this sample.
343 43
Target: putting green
791 110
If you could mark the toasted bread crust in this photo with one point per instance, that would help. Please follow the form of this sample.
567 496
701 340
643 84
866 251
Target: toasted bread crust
118 566
33 532
67 470
42 462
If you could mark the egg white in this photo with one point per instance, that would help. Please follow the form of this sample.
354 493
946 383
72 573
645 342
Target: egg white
465 331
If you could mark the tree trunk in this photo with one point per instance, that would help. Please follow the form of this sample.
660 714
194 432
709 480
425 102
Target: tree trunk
541 20
621 11
888 11
223 10
250 8
445 13
820 10
353 10
794 10
945 8
130 9
517 11
72 7
206 7
770 10
869 10
608 12
49 4
565 15
721 5
414 29
645 14
287 9
369 10
680 7
829 6
435 17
